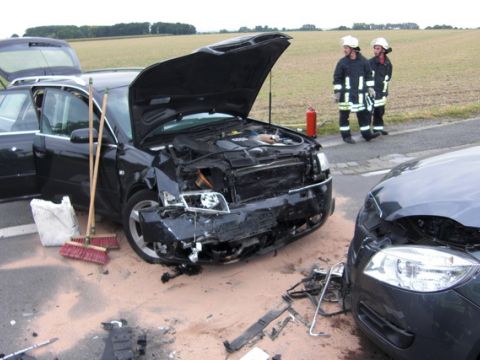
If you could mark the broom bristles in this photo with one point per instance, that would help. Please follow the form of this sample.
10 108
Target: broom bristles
75 250
108 241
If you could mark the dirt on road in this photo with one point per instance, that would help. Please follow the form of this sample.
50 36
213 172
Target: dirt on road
189 317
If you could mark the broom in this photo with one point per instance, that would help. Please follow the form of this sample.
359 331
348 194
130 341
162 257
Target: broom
108 241
84 250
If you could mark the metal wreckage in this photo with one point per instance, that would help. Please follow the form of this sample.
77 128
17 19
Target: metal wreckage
189 174
253 198
238 186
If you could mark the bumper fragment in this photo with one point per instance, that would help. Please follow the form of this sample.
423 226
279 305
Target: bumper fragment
253 228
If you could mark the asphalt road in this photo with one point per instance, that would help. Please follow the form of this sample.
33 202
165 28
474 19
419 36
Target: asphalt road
412 139
22 291
405 139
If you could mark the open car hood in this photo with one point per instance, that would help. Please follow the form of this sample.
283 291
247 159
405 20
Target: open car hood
446 185
34 56
224 77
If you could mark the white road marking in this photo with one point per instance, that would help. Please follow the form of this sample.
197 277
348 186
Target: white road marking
18 230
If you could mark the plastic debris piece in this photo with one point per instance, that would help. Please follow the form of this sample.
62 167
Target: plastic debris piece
256 354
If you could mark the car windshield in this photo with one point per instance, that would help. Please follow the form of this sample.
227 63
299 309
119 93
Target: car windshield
118 105
189 121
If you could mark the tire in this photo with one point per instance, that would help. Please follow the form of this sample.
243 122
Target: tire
140 200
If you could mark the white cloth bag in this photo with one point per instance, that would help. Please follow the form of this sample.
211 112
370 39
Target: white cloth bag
56 223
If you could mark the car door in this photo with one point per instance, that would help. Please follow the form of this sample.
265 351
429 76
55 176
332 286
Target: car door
18 125
63 165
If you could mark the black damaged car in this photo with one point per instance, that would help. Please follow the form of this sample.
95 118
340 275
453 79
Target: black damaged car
413 264
192 178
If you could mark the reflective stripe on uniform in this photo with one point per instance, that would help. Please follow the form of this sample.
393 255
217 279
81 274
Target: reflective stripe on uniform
385 85
346 105
344 128
360 83
347 83
370 83
360 98
337 87
378 128
380 102
364 128
369 103
357 107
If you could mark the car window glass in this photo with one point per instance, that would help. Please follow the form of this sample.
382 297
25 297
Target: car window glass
63 112
190 121
36 58
118 106
17 112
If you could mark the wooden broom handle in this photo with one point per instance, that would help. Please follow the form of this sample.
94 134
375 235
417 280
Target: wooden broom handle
97 162
90 140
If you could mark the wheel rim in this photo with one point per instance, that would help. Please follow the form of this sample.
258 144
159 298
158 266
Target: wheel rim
136 231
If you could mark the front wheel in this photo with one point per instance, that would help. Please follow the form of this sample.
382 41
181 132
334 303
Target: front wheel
142 199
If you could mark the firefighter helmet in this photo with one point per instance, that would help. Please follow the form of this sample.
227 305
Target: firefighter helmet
380 41
350 41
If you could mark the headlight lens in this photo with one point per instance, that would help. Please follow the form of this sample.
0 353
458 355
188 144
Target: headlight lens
205 201
421 268
322 159
209 200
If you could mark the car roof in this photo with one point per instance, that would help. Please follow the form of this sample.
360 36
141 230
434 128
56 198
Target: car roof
101 79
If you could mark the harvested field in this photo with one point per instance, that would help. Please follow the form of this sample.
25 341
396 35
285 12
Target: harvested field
434 70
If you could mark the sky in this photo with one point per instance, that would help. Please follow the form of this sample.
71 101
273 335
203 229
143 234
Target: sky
214 15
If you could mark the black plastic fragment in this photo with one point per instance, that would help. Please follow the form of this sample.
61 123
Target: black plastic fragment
255 329
120 344
181 269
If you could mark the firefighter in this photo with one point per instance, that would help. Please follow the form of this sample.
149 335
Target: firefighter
382 74
353 86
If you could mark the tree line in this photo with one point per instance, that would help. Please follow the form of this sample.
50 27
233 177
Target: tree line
145 28
122 29
356 26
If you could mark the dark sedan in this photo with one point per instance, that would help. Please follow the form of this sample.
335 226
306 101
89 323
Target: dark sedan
191 177
413 264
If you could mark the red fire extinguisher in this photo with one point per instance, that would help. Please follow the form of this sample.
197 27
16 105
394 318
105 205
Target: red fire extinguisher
311 122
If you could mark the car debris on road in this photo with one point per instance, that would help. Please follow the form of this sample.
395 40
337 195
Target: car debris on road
319 286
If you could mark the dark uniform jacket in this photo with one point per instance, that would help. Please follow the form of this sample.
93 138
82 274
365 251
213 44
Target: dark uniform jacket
352 78
382 74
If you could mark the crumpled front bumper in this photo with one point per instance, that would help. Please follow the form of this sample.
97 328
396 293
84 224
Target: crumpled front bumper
254 228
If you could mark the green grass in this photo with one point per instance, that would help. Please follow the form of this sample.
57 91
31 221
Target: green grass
436 72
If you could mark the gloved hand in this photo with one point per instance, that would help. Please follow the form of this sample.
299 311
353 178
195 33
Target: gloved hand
371 92
336 97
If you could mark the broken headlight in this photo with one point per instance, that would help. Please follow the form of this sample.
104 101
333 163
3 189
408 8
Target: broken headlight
323 161
421 268
205 201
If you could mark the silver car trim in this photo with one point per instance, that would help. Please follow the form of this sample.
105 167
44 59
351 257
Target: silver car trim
377 205
66 138
292 191
19 132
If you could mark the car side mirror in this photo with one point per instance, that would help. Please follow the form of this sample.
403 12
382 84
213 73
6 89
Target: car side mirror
80 136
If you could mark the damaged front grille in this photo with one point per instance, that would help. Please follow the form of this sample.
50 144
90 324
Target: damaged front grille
268 180
255 223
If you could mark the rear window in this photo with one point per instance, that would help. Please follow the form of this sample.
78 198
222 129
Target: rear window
35 58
